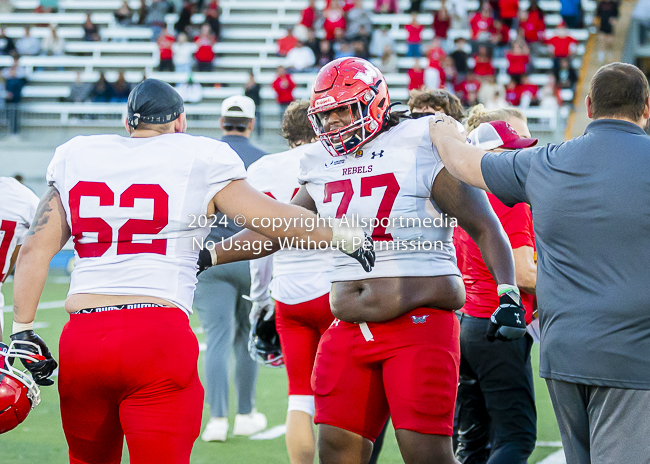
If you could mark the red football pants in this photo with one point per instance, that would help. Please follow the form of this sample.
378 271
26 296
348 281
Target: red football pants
130 373
300 327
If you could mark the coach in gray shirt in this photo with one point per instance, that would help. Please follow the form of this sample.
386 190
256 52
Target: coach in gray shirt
590 198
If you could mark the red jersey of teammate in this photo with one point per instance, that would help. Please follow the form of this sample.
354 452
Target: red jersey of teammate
284 86
413 33
416 78
561 45
436 56
483 66
508 8
165 43
441 26
482 298
517 63
286 43
480 24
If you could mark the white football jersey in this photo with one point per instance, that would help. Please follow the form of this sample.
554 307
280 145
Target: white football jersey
134 206
298 275
388 185
18 206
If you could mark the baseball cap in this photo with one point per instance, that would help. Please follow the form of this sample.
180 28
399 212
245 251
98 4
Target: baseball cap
153 102
238 106
498 134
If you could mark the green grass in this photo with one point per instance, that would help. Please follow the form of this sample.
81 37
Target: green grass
40 439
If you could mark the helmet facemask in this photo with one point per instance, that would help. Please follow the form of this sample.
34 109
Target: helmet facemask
14 351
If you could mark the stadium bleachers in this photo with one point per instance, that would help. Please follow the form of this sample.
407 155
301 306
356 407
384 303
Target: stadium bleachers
249 31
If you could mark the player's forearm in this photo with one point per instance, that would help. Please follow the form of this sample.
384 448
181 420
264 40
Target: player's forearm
463 161
31 273
292 222
497 254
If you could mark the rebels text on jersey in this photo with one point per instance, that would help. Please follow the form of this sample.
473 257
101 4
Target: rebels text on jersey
298 275
386 184
129 202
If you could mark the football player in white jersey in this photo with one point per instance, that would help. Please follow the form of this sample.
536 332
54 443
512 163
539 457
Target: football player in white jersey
136 208
395 343
17 209
299 282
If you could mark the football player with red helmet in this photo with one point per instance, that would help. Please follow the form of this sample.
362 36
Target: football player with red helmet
394 346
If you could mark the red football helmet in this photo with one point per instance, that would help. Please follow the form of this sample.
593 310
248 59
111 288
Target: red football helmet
359 85
18 392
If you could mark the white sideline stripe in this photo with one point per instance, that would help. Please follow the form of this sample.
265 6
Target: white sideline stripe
46 305
550 444
203 346
270 434
555 458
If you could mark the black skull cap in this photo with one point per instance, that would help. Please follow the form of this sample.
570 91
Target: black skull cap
153 102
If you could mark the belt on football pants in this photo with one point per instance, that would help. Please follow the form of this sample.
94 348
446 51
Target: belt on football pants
103 309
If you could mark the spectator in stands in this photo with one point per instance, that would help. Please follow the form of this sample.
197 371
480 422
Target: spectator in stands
549 96
47 6
508 10
344 50
512 96
435 53
326 53
79 90
309 15
7 44
91 31
518 59
388 63
380 38
283 86
14 85
451 75
441 21
527 93
286 43
204 49
165 43
183 53
533 30
434 77
481 24
102 90
212 17
460 56
416 7
28 45
155 18
333 18
386 6
489 88
414 37
566 77
572 14
185 18
499 38
536 12
15 68
358 18
142 12
416 75
562 46
121 89
607 13
361 43
483 62
124 14
300 58
190 91
470 85
53 45
252 90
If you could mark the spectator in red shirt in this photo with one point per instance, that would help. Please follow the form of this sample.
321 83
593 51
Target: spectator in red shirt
470 85
441 21
527 93
518 59
308 15
563 46
386 6
204 53
283 86
165 42
286 43
334 19
533 29
483 62
414 37
482 24
435 53
500 38
508 10
512 97
416 76
509 408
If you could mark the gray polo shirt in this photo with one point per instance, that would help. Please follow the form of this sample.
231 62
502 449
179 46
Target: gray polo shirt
590 198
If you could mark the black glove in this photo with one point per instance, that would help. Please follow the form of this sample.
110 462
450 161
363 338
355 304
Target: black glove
508 322
42 369
365 254
205 260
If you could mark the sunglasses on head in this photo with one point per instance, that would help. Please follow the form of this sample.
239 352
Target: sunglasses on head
229 128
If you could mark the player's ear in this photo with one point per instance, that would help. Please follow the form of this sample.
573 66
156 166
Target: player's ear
180 124
251 125
588 105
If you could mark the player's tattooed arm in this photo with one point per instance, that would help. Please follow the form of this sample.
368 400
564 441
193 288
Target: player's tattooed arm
47 235
476 216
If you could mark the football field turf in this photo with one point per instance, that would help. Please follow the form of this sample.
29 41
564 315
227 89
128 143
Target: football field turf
40 439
